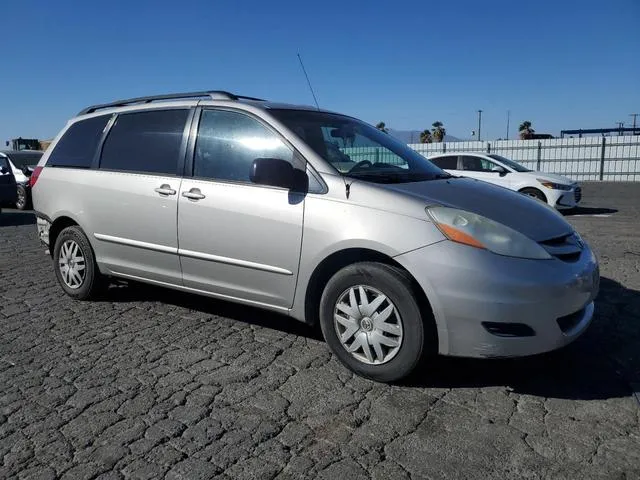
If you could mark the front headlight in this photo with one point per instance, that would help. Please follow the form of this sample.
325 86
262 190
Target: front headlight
476 231
553 186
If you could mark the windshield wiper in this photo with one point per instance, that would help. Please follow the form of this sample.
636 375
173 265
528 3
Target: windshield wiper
399 177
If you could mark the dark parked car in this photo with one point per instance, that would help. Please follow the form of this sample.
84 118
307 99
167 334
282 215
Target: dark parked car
7 183
21 164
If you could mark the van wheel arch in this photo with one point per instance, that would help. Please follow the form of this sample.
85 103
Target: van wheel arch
57 226
343 258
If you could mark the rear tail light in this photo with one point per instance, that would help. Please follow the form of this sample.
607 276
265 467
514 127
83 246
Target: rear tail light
34 176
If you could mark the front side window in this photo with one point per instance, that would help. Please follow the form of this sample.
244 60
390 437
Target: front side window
477 164
228 143
510 163
78 145
356 149
147 142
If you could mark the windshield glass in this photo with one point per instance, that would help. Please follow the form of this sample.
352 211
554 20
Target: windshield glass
510 163
25 159
358 150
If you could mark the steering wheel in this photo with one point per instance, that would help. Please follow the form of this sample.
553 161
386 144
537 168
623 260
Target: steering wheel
360 164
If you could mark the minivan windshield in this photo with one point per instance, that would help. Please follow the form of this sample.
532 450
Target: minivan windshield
510 163
358 150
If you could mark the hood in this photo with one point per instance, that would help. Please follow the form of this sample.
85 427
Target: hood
552 177
524 214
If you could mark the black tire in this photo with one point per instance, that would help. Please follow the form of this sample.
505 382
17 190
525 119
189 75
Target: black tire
92 280
535 193
397 287
24 198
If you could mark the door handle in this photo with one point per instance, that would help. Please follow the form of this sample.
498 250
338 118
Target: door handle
193 194
165 189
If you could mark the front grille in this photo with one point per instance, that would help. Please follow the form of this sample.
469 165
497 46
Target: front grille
569 322
566 247
578 194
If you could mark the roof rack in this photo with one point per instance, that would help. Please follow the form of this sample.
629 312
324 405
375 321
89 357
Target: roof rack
212 94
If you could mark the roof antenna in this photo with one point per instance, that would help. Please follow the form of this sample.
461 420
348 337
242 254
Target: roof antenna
308 82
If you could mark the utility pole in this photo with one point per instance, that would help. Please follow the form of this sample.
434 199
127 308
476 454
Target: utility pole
508 118
620 125
634 115
479 123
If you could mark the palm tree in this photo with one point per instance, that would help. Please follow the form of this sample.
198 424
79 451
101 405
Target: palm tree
382 127
425 136
525 130
438 131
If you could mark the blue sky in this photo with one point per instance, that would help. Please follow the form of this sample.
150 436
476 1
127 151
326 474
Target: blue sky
560 64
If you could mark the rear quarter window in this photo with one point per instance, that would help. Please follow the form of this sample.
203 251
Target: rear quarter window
78 145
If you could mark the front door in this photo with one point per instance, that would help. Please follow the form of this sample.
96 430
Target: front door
7 183
482 169
239 240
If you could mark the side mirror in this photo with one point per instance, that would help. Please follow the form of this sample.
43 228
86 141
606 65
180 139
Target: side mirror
501 170
4 170
273 172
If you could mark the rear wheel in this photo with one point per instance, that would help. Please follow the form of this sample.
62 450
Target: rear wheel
535 193
24 199
371 320
75 264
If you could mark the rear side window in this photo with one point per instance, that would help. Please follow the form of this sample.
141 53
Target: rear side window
78 145
146 142
446 163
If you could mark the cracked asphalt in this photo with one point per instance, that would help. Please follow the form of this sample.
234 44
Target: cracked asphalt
150 383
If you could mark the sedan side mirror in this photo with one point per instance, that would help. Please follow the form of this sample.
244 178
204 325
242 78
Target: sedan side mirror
273 172
501 170
4 170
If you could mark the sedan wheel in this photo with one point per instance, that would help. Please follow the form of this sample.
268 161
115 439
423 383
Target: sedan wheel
22 201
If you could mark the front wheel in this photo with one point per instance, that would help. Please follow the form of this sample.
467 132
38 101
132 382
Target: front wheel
24 199
75 264
371 320
535 193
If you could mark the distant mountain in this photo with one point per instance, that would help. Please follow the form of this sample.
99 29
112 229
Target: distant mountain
413 136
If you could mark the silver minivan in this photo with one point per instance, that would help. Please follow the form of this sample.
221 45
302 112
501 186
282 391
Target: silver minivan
315 215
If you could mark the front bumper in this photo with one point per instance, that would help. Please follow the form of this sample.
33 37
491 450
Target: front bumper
471 288
564 199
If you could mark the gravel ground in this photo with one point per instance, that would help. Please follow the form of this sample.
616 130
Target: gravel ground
149 383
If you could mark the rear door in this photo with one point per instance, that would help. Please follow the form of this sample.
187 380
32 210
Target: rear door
132 197
7 183
448 163
238 239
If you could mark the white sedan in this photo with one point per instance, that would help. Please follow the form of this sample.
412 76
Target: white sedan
558 191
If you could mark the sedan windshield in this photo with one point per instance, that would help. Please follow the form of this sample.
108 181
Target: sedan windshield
358 150
25 159
510 163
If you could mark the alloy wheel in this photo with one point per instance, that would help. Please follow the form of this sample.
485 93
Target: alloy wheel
72 264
